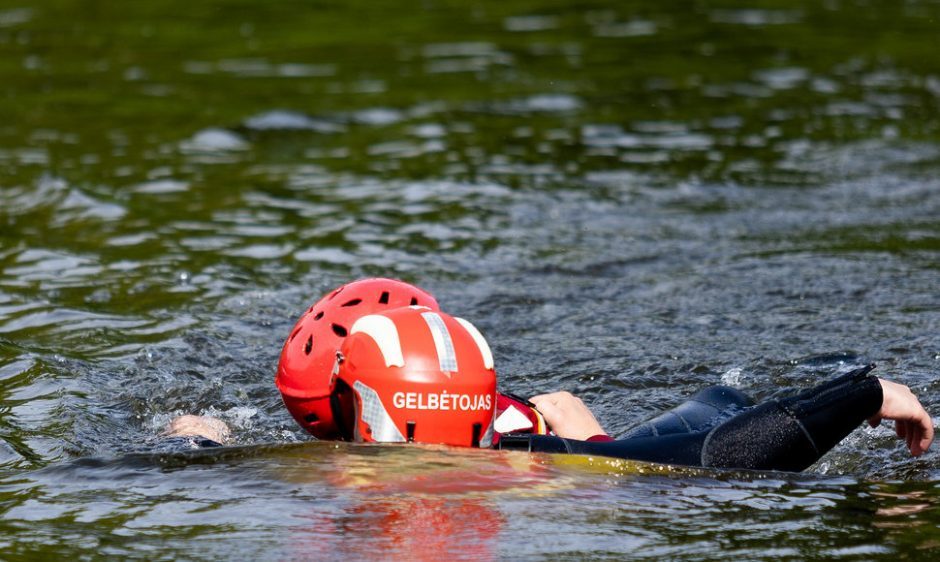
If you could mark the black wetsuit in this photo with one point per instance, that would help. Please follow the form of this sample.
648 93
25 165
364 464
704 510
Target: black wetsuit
720 427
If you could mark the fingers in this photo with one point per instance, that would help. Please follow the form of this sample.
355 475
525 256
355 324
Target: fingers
927 437
917 433
567 415
540 398
553 398
546 407
556 405
921 446
917 429
920 435
912 423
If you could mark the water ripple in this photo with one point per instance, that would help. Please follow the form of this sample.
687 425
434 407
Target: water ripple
632 202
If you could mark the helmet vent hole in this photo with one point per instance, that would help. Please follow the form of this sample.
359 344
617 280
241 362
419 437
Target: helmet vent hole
318 316
414 301
339 330
477 429
294 335
384 298
308 347
410 430
353 302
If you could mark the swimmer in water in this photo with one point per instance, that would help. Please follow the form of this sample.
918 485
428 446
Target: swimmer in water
376 360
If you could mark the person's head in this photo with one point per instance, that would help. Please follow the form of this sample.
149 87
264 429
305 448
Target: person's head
306 362
415 375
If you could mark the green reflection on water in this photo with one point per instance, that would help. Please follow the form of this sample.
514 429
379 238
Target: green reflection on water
143 182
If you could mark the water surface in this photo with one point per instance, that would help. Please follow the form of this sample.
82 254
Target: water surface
631 200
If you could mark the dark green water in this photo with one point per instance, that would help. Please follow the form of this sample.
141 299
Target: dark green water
632 200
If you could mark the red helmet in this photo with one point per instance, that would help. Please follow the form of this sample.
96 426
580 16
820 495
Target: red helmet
304 371
414 374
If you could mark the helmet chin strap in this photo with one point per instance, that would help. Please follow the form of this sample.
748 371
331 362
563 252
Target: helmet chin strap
343 415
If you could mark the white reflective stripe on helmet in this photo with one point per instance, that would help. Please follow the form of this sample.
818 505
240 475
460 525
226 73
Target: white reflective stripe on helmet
374 414
481 342
385 334
446 355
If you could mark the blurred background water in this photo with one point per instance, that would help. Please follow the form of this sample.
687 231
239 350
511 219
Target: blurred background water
632 200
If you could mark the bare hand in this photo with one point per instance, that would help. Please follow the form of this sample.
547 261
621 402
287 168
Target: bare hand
198 426
567 415
911 421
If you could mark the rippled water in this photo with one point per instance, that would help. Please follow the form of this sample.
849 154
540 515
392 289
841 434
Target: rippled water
631 200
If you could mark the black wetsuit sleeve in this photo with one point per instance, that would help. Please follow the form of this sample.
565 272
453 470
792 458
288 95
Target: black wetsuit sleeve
703 411
793 433
788 434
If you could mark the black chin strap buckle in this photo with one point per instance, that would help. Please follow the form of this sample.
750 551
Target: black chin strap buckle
515 442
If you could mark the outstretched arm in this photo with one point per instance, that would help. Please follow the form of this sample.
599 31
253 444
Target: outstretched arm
570 418
911 421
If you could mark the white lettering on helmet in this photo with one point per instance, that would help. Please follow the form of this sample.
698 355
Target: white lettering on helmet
442 401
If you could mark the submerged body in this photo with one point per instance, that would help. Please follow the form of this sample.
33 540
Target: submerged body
718 427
